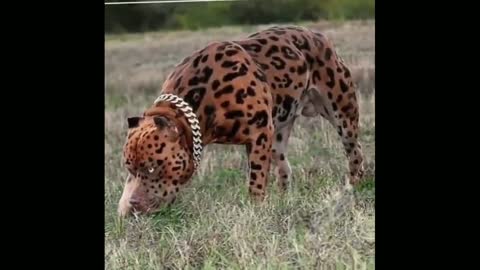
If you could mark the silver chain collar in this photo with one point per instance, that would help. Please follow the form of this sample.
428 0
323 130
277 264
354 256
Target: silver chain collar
192 120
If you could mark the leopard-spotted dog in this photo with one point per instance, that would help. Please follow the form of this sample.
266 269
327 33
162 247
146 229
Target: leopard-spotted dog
244 92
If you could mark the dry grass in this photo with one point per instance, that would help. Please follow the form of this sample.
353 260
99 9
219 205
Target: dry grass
318 225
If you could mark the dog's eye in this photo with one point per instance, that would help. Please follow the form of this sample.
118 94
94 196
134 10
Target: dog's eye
151 170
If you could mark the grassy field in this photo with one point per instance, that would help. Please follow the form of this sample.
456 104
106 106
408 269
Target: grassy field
213 225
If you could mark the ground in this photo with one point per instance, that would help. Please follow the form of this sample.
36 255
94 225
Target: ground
213 224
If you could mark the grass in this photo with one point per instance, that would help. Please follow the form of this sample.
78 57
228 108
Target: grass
318 224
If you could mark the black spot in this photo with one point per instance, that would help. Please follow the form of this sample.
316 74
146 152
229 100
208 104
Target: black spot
273 49
328 54
255 166
310 60
253 176
279 99
260 75
231 76
234 130
347 73
149 146
330 96
287 80
289 53
262 41
207 73
302 69
246 131
240 96
234 114
159 162
301 45
225 104
253 83
343 86
155 137
320 62
252 47
273 86
205 58
175 182
221 47
274 38
347 107
209 109
229 64
279 137
282 157
249 107
215 84
226 90
249 147
278 63
259 186
287 106
194 97
261 138
339 98
264 66
260 118
176 168
331 82
231 52
218 56
196 60
334 106
159 150
250 91
292 69
263 158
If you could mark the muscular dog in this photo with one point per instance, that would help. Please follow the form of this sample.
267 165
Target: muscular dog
247 92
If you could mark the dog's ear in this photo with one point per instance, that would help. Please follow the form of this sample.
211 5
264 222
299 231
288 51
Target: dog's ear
160 121
173 131
134 121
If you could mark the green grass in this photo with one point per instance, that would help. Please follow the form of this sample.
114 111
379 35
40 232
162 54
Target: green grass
318 224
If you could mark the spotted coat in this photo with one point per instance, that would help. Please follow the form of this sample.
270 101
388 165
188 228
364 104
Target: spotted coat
245 92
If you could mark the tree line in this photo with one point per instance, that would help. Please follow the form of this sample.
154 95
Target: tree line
193 16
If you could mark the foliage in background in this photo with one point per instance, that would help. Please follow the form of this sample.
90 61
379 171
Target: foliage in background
140 18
